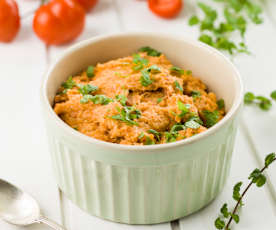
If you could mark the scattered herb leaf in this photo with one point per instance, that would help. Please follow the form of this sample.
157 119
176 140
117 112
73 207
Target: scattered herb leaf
211 118
150 51
178 86
90 71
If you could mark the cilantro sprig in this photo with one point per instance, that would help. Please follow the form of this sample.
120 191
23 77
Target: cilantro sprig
150 51
139 62
68 84
145 79
218 32
96 99
256 177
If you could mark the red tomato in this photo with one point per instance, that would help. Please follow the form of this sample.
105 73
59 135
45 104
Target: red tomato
59 21
87 4
165 8
9 20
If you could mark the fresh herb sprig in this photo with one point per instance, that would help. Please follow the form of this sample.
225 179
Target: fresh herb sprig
256 177
127 114
218 33
264 103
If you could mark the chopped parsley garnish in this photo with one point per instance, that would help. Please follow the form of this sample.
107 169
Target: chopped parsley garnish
211 118
196 118
90 71
192 124
189 72
220 104
127 114
150 51
195 94
178 86
184 108
154 69
156 134
236 14
176 70
142 134
122 99
159 100
139 62
177 127
145 78
171 136
87 89
149 141
97 99
69 84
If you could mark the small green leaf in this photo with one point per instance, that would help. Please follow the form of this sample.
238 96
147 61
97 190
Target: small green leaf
90 71
122 99
273 95
184 108
145 78
178 86
142 134
176 70
236 191
269 159
87 89
171 136
192 124
177 127
195 94
264 103
257 177
69 84
220 104
154 69
189 72
159 100
193 20
156 134
150 51
206 39
149 141
224 211
219 223
235 217
211 118
249 97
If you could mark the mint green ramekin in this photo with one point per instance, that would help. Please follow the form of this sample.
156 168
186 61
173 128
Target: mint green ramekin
143 184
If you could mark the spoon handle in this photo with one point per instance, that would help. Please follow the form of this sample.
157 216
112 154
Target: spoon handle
50 223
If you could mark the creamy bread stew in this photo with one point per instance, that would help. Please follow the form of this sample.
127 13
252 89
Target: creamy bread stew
142 99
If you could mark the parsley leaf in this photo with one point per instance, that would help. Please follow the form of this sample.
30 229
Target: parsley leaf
127 114
69 84
145 78
224 211
236 191
139 62
159 100
90 71
171 136
97 99
178 86
176 70
192 124
142 134
211 118
195 94
150 51
219 223
87 89
149 141
184 108
269 159
257 177
122 99
156 134
220 104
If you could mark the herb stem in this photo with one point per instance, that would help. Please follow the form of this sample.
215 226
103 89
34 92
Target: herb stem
240 199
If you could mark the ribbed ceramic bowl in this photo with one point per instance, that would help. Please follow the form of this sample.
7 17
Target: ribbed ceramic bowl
143 184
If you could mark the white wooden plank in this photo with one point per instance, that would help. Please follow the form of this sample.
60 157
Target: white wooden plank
258 73
75 218
258 212
25 160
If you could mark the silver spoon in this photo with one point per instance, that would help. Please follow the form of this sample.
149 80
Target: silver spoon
19 208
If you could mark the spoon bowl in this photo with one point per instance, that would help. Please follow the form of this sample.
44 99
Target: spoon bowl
19 208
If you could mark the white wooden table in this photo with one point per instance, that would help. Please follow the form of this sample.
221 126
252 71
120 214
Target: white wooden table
25 159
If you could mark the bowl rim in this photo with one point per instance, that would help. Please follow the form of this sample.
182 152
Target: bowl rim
238 99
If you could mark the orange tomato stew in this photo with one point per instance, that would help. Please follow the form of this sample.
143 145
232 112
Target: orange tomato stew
138 100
